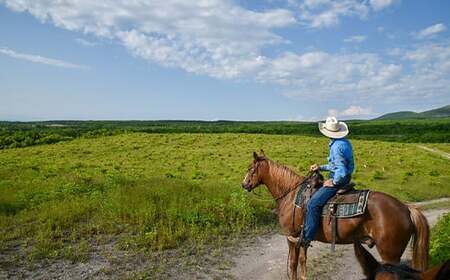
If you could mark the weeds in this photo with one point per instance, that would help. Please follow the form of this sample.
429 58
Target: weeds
161 191
440 241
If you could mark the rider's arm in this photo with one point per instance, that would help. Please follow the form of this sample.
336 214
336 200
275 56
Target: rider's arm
325 167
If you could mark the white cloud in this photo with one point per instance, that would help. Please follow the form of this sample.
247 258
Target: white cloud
220 39
379 5
431 59
355 39
85 43
354 111
326 13
366 78
215 38
40 59
325 74
430 31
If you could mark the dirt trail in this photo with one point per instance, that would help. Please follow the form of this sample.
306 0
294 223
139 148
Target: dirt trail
435 151
266 259
263 257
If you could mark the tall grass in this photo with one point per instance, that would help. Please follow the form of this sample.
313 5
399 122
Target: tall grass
158 191
155 214
440 241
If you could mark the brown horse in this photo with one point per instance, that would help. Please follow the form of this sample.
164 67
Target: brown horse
376 271
387 223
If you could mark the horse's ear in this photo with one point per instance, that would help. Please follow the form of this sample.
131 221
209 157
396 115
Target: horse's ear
255 156
262 153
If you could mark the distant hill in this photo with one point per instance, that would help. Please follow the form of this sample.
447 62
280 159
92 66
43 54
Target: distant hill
435 113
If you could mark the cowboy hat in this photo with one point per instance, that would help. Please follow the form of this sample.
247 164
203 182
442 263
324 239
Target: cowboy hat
333 128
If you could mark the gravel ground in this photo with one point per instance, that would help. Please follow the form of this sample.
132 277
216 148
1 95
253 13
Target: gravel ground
267 258
263 257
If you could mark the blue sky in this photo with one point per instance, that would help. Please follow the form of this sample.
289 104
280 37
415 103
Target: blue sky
209 60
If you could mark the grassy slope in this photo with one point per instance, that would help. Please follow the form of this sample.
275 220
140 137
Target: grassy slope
164 190
441 112
399 115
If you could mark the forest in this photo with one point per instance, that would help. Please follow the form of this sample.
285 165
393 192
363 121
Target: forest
23 134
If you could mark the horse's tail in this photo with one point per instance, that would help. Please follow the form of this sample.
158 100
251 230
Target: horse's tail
421 238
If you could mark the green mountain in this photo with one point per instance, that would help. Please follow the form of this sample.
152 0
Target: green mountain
435 113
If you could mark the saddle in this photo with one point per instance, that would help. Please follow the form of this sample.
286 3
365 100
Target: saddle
347 188
347 203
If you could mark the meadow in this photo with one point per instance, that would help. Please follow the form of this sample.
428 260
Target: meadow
151 192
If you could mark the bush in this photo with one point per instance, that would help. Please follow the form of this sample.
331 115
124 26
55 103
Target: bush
440 241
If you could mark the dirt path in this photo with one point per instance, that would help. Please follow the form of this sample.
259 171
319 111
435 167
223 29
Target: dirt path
266 259
263 258
435 151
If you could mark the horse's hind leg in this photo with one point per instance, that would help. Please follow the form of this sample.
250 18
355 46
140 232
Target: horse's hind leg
391 247
293 260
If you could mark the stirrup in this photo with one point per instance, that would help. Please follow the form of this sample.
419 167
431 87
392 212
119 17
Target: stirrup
303 243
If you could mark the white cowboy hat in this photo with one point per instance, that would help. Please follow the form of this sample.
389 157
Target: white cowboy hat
333 128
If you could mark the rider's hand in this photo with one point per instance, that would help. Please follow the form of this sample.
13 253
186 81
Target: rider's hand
328 183
314 167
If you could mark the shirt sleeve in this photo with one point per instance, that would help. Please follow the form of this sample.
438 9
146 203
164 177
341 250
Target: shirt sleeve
340 171
325 167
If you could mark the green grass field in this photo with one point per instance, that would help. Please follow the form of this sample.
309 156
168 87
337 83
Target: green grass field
156 191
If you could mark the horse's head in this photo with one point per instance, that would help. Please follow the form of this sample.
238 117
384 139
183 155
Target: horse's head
377 271
254 174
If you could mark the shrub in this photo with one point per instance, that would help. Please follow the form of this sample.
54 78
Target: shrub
440 241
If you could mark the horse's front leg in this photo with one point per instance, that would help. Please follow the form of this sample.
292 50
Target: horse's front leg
303 251
293 260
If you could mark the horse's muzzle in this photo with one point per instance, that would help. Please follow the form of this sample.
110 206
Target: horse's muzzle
248 187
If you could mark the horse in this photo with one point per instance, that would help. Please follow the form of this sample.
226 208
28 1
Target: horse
386 223
373 270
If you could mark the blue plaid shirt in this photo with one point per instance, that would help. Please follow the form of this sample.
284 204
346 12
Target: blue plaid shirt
340 161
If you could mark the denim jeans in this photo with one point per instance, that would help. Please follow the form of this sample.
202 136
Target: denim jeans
314 209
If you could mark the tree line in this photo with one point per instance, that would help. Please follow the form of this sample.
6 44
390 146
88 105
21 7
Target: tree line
23 134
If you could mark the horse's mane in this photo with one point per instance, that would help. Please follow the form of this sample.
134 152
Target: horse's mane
371 267
403 271
284 173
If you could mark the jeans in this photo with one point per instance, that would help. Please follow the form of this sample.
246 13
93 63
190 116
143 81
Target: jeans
314 209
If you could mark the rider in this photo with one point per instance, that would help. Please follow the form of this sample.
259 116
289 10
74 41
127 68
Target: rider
340 165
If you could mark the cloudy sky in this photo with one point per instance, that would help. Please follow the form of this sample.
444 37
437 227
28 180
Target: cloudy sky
222 59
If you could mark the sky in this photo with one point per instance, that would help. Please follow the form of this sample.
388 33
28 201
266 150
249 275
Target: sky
222 59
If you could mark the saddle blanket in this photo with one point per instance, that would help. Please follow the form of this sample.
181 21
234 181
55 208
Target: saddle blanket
299 197
353 205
